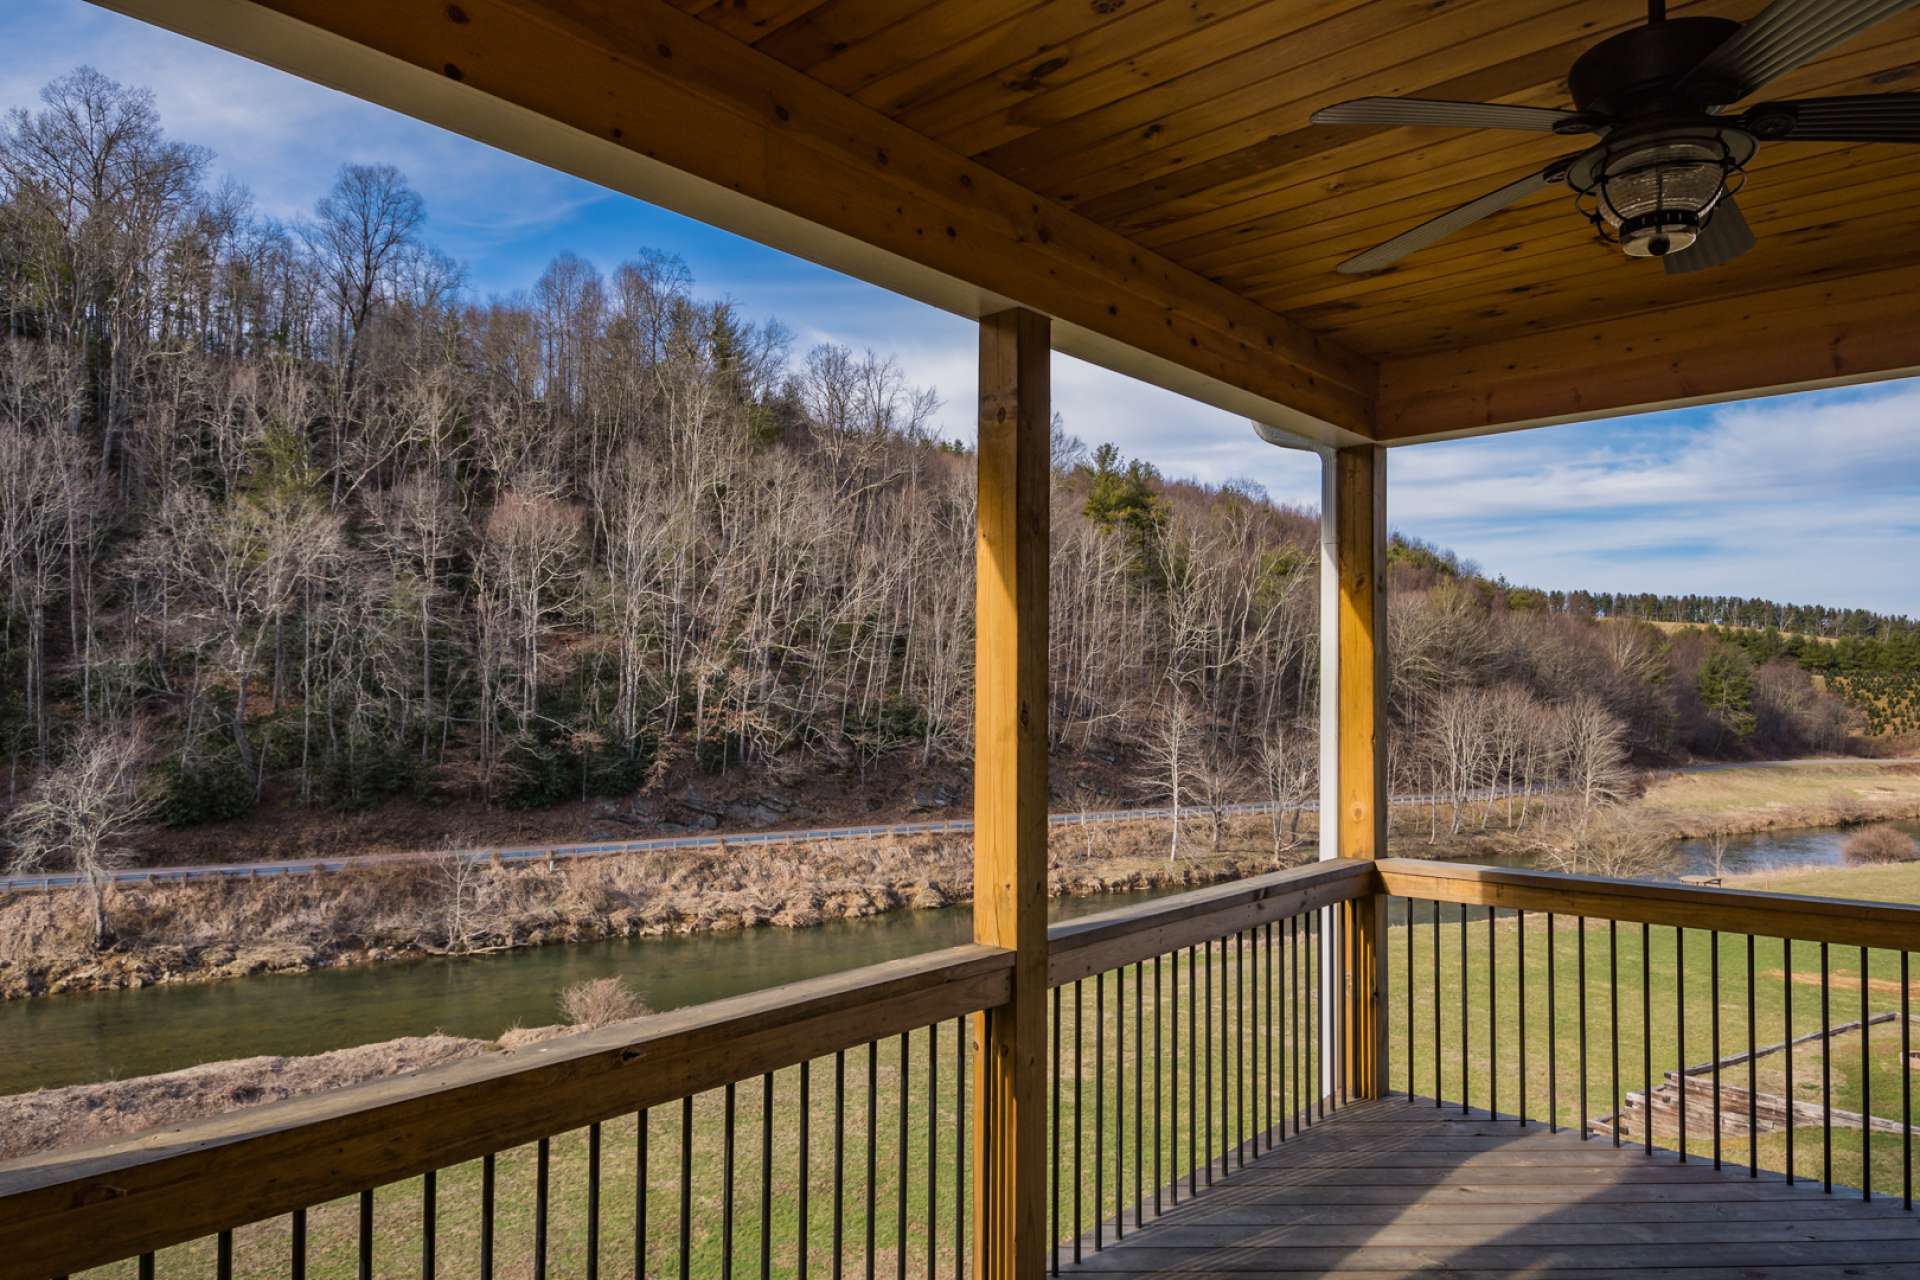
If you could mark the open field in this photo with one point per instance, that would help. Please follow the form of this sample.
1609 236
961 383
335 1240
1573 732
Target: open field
1788 793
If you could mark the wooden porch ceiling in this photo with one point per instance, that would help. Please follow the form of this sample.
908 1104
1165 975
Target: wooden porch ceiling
1145 172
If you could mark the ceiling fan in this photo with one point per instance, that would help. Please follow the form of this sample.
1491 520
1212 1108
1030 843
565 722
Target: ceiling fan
1661 180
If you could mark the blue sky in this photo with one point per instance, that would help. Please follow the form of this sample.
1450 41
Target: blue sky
1807 498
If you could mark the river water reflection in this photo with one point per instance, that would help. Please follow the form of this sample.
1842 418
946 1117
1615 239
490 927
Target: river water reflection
74 1039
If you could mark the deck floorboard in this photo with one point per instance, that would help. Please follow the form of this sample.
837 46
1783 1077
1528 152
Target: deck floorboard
1396 1188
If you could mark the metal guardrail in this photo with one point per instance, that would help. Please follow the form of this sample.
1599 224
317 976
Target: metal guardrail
601 849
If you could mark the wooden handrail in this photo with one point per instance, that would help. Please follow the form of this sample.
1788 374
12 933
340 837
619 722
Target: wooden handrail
64 1211
1844 921
1094 944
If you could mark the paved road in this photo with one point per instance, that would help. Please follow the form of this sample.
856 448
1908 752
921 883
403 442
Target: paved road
603 848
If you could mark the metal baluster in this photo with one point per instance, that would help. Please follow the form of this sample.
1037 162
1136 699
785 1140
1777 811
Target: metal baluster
1866 1085
1753 1079
839 1163
1410 933
1646 1033
960 1149
1059 1030
1580 972
728 1096
1337 1022
640 1135
686 1184
1713 981
1316 978
427 1234
1099 1107
1139 1090
1243 1090
933 1145
1079 1165
1119 1099
766 1176
487 1180
1466 1035
1206 1093
1173 1071
803 1216
1230 1068
1520 952
1493 1018
1439 1091
1159 1136
296 1249
593 1201
1299 1031
1262 1046
1826 1075
900 1178
873 1143
1553 1037
1906 1083
1613 1019
1680 1027
1282 1026
366 1236
543 1162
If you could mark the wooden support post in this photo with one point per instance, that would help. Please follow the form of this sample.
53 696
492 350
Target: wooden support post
1360 529
1010 794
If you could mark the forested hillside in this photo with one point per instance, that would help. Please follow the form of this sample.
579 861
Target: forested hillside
289 518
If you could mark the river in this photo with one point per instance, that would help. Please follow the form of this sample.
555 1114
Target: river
84 1037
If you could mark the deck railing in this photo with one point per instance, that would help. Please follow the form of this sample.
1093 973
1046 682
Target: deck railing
826 1129
1665 1015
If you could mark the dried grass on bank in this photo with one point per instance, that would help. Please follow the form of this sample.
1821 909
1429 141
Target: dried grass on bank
50 1118
209 930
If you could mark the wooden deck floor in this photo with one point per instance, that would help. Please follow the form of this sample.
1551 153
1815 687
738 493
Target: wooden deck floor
1393 1189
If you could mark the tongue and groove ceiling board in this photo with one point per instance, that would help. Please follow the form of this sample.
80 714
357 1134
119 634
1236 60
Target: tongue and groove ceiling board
1157 156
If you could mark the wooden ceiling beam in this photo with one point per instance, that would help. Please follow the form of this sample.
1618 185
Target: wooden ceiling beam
1836 332
644 98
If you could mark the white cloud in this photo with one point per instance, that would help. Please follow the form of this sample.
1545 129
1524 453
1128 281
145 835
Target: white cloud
1812 497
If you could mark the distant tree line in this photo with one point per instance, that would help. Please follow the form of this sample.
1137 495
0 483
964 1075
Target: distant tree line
288 508
1806 620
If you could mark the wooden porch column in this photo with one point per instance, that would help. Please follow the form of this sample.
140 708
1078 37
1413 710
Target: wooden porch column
1360 539
1010 794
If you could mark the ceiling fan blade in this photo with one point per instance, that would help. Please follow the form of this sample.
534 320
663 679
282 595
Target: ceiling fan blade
1788 34
1725 238
1437 229
1872 117
1441 115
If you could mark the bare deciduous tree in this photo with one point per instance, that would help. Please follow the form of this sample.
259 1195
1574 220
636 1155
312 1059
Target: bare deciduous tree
81 814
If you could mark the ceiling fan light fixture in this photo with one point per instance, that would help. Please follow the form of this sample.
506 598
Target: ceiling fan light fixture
1653 195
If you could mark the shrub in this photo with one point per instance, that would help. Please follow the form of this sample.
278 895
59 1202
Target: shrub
604 1000
371 770
1880 844
209 790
